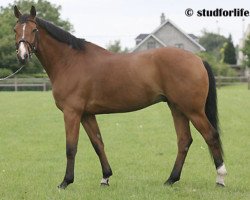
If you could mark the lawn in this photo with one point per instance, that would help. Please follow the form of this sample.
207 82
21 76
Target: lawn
141 147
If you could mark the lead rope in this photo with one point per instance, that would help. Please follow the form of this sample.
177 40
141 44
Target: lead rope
5 78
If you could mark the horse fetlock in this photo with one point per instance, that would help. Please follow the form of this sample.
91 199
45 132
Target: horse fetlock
105 182
221 173
105 179
65 183
107 173
172 180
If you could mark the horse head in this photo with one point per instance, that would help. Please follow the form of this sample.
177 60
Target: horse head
25 34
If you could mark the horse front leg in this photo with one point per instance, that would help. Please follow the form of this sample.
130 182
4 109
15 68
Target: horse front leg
72 125
91 127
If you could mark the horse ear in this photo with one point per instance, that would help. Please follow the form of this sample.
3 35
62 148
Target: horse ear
17 12
33 11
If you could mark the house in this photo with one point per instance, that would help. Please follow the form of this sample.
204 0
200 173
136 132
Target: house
242 44
241 57
167 34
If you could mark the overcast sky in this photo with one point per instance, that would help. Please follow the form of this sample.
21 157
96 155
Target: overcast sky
102 21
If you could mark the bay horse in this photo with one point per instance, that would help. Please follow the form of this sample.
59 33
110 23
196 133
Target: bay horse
88 80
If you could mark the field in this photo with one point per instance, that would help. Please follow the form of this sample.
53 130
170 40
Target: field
141 147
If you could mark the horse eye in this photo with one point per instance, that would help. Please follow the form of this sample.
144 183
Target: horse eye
34 30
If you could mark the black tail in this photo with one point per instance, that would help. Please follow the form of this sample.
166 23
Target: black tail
211 103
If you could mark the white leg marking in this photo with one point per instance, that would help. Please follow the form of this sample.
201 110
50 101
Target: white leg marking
221 173
105 181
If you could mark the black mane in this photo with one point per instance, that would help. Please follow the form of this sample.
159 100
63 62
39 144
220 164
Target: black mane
61 35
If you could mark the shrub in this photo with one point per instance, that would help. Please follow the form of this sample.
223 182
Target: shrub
4 72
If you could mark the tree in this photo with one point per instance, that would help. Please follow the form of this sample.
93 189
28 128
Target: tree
219 68
116 47
212 43
229 55
46 10
215 48
246 51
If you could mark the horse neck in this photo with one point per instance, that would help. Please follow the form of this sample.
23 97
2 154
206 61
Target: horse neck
93 50
51 53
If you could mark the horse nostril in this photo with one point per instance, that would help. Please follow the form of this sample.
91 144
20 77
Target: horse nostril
26 56
22 61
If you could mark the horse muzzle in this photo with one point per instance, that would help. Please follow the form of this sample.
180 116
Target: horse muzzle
23 53
24 58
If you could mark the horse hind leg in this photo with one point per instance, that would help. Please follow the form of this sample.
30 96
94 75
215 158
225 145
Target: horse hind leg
212 139
184 140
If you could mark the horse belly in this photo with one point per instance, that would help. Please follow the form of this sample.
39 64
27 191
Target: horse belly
130 85
124 98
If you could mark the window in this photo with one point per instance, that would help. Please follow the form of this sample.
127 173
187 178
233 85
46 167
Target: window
151 44
179 45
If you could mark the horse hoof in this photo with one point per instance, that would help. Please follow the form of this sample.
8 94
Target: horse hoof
220 185
105 182
169 183
62 186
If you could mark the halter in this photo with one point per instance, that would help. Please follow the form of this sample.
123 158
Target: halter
32 45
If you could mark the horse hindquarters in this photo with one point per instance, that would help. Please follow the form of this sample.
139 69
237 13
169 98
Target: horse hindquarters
200 108
206 122
212 116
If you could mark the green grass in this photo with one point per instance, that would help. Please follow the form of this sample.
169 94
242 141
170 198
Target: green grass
141 147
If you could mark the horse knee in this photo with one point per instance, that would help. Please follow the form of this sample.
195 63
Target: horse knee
189 142
184 144
71 152
98 147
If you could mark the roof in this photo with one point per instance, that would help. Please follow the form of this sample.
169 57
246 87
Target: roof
162 25
141 36
193 36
